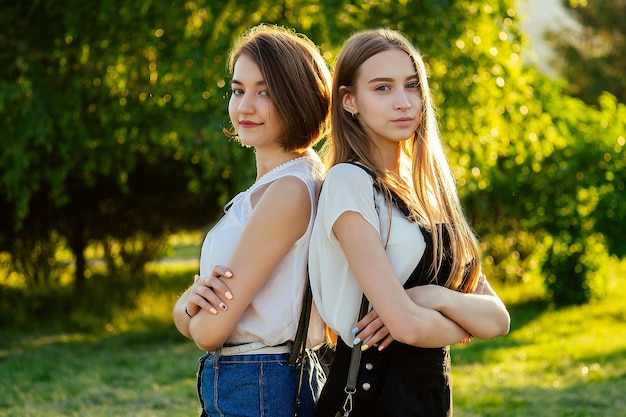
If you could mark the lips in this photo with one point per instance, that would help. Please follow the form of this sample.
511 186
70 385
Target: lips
248 124
403 121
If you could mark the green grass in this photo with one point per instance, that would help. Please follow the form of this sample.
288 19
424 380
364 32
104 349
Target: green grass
554 362
135 364
144 373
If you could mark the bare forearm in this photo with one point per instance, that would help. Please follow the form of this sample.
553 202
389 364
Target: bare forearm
482 315
429 329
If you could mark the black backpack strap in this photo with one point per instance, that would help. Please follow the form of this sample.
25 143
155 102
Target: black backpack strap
395 199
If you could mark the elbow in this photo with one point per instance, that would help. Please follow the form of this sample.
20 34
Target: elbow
500 327
416 329
407 334
206 345
495 331
413 339
181 326
205 340
505 325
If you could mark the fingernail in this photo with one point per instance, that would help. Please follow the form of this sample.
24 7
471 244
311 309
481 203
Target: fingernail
212 310
356 341
223 306
228 274
356 329
364 347
381 347
196 278
228 295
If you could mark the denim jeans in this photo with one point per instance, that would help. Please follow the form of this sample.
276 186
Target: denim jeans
261 385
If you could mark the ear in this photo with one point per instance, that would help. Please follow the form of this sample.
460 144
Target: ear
347 100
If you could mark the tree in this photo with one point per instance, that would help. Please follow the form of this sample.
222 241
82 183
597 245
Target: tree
592 55
100 102
111 119
109 128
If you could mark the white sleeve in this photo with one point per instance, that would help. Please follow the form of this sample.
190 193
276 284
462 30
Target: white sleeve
337 293
346 188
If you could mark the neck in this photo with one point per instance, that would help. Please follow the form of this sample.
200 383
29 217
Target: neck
269 160
388 159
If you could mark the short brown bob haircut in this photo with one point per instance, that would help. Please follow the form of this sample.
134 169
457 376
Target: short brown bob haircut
297 78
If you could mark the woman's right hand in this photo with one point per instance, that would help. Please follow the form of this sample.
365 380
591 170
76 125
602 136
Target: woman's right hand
209 293
372 332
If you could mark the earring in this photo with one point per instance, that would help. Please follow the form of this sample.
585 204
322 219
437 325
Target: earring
353 115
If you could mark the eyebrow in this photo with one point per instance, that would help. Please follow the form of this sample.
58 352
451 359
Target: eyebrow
259 83
386 79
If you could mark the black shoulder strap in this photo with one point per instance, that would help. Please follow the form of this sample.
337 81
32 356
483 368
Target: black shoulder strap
366 169
395 198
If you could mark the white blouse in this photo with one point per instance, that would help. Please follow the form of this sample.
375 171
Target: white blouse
273 315
335 290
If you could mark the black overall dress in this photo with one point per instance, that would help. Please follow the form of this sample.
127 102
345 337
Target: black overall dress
402 380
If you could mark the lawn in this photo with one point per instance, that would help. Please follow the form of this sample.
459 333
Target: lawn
554 363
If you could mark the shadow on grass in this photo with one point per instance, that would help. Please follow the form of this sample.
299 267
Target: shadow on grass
61 310
19 342
524 312
137 372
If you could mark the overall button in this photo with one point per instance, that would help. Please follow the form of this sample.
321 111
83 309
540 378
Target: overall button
369 366
366 386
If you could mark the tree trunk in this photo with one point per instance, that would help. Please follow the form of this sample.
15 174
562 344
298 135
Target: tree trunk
78 249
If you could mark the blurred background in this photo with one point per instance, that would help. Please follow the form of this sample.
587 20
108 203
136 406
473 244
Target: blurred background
113 166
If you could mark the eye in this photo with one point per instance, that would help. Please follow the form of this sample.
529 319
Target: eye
383 88
412 85
264 93
237 92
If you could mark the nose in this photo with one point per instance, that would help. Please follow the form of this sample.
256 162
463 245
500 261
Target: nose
245 104
402 100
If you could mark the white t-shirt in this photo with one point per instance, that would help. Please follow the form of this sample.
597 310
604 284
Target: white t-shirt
335 290
273 315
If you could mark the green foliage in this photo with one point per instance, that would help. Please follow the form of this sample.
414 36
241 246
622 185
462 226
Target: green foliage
41 262
111 117
570 267
578 191
591 54
104 121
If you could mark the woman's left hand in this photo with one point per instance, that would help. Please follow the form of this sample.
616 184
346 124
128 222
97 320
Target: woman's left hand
209 293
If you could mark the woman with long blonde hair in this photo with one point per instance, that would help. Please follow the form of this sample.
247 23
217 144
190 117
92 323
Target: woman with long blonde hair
390 227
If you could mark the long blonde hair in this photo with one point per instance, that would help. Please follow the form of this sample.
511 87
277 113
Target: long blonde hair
432 199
